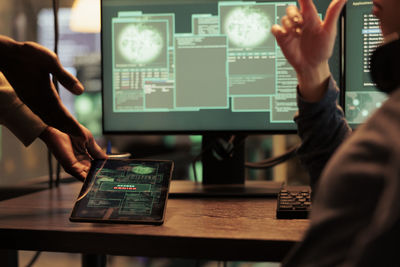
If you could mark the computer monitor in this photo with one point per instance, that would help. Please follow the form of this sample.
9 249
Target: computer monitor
362 35
198 67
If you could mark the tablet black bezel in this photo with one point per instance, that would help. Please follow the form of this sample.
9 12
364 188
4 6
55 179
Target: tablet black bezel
133 219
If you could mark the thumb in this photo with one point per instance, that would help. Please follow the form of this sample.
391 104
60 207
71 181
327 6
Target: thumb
91 146
95 150
332 14
54 66
71 83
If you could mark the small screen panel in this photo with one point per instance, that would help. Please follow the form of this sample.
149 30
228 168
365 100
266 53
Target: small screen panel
124 191
197 65
362 36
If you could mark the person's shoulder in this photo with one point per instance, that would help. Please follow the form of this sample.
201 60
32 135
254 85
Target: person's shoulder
386 119
377 140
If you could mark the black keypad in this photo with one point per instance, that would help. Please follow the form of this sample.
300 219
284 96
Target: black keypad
293 203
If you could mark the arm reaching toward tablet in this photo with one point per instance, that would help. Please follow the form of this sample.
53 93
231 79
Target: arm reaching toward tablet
30 105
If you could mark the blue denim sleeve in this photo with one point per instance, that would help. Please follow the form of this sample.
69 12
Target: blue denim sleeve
322 128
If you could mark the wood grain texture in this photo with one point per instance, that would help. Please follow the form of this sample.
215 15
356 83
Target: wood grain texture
219 228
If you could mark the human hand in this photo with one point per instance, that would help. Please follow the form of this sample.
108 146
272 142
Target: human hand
27 66
307 43
74 157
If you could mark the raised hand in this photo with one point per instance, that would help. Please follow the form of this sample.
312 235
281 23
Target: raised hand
307 43
27 66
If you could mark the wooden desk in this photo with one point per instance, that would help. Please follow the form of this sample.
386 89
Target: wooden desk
200 228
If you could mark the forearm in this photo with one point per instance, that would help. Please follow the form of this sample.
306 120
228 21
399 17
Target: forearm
322 128
24 124
313 81
16 116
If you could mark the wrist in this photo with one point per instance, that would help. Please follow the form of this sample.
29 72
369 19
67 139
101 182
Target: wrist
46 134
313 82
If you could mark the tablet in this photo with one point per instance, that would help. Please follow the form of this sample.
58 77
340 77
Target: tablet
124 191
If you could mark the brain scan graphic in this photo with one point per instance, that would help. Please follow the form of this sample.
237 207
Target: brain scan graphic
140 43
143 170
247 27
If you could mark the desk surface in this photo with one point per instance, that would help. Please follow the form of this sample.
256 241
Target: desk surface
217 229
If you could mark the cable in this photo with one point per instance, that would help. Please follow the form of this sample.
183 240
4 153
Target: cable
58 172
235 141
271 162
50 164
34 258
49 155
289 154
56 32
55 82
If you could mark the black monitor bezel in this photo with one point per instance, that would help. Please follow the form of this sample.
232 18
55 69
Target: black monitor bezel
218 132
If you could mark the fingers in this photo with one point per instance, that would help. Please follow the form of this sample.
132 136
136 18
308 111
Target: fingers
54 113
79 170
87 145
79 143
279 33
44 101
291 27
54 66
80 167
291 23
38 92
332 14
80 176
94 149
91 150
71 83
308 9
294 15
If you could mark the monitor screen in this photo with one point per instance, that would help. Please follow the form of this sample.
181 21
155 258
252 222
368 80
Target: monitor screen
362 36
194 66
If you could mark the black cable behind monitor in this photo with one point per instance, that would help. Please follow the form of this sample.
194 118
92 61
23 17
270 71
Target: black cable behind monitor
273 161
222 149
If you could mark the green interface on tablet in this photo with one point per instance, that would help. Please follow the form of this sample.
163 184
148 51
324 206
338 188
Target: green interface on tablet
124 190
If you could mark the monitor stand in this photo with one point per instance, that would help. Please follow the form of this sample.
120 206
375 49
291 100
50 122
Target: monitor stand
224 172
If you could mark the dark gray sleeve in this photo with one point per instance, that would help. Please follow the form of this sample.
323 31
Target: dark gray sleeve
355 218
322 128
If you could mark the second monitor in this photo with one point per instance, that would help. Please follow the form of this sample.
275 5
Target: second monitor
362 35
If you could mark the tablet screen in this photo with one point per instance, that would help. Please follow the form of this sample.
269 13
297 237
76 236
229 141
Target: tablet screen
124 190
